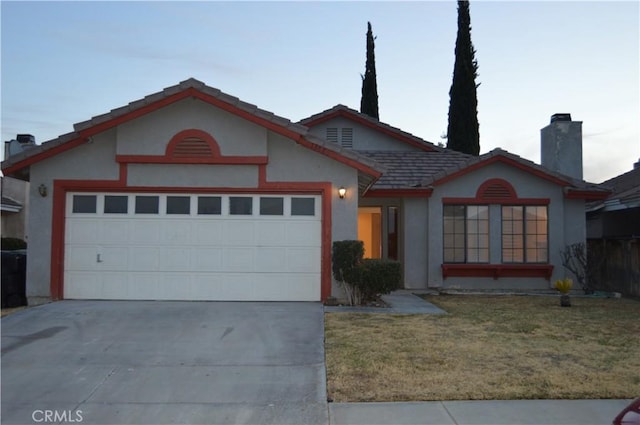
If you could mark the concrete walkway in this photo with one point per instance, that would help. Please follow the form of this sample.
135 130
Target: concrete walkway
400 302
500 412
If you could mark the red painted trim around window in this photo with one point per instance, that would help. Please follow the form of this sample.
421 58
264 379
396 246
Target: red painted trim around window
497 271
62 187
505 201
380 128
393 193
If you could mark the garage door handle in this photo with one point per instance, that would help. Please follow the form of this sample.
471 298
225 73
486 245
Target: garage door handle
98 259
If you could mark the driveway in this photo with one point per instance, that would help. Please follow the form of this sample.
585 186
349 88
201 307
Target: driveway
144 362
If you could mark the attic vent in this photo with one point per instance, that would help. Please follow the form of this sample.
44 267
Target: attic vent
332 135
495 190
190 147
347 138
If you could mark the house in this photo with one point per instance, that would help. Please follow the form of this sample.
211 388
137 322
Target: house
15 199
613 234
192 194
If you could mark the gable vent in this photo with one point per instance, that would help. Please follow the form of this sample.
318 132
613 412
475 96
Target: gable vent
347 138
190 147
332 134
495 190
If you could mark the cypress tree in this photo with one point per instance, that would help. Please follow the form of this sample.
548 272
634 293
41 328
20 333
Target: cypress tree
369 100
463 130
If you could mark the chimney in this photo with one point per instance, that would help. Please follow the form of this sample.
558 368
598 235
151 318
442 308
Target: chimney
21 143
561 146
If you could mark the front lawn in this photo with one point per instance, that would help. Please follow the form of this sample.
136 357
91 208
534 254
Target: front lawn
487 347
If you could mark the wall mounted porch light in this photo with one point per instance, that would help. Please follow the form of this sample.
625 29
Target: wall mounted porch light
342 192
42 190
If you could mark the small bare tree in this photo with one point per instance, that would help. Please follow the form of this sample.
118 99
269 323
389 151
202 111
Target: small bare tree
575 259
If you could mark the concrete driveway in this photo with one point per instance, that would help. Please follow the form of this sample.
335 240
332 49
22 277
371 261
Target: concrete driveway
130 362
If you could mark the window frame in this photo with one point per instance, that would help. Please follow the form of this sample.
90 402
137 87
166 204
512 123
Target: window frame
526 234
461 240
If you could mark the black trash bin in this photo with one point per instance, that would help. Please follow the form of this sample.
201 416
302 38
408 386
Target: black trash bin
14 278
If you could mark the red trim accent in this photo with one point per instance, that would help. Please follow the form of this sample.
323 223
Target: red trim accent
505 160
504 201
221 160
61 187
195 134
497 271
587 195
361 120
404 193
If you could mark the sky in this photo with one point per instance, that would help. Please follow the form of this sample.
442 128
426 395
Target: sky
64 62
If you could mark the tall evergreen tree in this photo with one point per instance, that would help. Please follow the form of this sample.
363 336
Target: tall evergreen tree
369 100
463 131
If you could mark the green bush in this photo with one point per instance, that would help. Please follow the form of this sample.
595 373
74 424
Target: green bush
377 277
12 244
346 256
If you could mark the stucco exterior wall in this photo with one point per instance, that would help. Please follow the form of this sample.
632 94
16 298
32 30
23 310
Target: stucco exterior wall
364 138
179 175
416 227
149 134
566 225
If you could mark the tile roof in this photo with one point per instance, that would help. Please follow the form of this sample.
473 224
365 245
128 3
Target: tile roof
174 93
625 192
411 169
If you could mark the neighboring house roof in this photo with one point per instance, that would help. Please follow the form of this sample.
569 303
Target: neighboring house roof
186 89
625 192
358 117
10 205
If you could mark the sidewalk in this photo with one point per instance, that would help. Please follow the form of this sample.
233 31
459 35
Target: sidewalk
499 412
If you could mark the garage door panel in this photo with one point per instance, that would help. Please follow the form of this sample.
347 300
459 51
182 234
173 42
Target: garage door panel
271 259
209 256
207 259
304 260
83 231
238 259
238 232
303 233
146 231
114 232
144 258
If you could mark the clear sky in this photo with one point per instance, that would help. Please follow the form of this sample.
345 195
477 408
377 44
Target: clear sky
64 62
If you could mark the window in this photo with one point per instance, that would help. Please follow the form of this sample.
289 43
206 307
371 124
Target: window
303 206
240 205
178 205
466 233
84 204
271 206
209 205
116 204
525 236
147 204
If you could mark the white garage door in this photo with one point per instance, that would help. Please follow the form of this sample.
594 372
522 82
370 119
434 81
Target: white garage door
239 247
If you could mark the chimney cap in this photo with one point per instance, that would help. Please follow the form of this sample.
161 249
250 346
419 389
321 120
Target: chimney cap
560 117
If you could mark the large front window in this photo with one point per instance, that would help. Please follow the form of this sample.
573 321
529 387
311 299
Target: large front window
525 235
466 233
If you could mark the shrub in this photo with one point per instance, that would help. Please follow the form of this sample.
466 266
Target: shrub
346 256
12 244
377 277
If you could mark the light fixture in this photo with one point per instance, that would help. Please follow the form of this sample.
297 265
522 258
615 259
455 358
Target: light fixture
42 190
342 192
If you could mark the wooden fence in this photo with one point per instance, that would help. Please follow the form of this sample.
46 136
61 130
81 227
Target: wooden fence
617 265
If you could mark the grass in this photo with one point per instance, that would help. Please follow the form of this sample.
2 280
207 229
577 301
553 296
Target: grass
487 348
